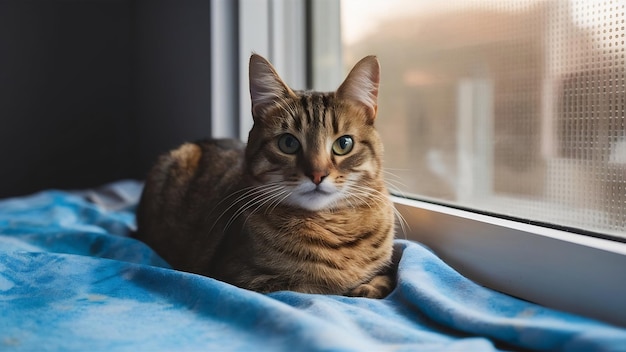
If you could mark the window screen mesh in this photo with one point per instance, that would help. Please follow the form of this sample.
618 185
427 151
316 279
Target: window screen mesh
513 107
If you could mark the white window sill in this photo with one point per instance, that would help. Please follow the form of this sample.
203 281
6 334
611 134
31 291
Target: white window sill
557 269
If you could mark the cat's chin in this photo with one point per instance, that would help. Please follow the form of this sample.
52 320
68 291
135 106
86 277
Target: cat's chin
312 202
314 198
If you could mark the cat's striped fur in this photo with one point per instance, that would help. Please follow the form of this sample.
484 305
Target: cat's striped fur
302 207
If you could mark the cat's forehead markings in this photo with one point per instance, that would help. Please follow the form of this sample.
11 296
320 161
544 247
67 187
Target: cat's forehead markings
296 122
306 107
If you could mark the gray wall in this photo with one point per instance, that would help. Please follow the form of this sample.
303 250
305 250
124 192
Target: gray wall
92 91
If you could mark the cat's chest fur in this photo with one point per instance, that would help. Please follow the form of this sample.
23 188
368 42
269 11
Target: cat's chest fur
322 253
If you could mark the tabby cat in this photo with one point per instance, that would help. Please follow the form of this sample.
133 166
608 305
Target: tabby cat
303 206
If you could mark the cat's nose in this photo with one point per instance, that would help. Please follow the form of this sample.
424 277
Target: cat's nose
318 176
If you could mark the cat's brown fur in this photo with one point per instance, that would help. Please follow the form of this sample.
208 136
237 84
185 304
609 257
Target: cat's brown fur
266 217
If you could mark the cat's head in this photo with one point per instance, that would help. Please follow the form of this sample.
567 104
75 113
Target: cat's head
318 150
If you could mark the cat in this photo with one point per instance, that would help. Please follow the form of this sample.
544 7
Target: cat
303 206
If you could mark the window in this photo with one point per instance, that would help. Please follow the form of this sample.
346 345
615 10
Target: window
508 107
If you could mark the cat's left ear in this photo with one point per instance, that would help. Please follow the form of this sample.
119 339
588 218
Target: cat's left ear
361 85
266 87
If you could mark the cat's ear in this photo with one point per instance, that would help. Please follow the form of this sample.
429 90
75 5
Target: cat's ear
361 85
266 87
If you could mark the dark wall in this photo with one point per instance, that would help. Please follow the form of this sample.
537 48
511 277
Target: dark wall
92 91
172 70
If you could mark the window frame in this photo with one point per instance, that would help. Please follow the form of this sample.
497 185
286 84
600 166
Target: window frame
557 269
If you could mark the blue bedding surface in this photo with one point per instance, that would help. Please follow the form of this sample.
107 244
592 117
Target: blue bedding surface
71 279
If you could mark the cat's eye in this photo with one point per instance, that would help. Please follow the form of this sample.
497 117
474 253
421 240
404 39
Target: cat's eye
343 145
288 144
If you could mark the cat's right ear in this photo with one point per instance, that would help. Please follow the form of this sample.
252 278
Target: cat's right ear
266 87
361 85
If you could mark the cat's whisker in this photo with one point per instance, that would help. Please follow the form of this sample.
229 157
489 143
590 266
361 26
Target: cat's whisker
273 200
276 198
404 225
362 197
394 178
249 204
280 201
260 198
368 192
396 191
252 191
363 192
350 204
388 172
396 169
257 197
396 184
243 190
261 203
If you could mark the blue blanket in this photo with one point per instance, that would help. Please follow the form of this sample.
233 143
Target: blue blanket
72 280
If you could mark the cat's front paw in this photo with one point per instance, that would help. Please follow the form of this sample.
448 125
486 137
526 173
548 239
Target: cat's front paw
378 287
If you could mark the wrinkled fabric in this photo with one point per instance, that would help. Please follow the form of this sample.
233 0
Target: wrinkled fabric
71 279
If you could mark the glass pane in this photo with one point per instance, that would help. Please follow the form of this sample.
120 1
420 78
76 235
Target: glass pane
512 107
